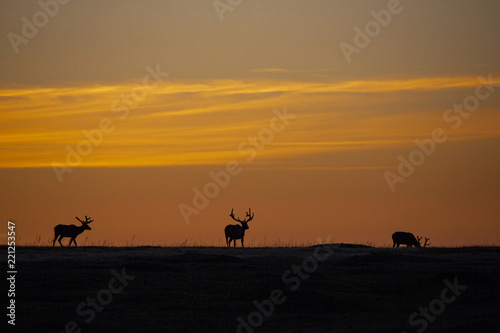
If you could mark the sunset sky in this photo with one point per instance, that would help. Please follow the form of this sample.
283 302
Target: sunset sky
339 121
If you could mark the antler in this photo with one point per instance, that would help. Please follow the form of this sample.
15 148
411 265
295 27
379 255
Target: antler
249 216
87 220
425 243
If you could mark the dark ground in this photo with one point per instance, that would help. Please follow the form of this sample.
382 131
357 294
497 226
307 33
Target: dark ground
356 289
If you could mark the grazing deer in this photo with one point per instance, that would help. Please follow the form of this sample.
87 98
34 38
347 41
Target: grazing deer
62 230
235 231
426 240
405 238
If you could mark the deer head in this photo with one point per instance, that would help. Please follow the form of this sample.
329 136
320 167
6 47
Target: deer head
85 223
247 219
426 240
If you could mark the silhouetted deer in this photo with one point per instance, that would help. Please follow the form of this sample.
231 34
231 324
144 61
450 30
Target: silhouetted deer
405 238
62 230
234 231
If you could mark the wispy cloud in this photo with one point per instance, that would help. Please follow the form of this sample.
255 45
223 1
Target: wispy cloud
284 70
269 70
203 122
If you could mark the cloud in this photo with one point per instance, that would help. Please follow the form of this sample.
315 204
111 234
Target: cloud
269 70
204 121
283 70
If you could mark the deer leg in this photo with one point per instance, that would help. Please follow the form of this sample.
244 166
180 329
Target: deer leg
54 242
242 242
59 240
74 241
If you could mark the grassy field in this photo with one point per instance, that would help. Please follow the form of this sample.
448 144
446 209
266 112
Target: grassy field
324 288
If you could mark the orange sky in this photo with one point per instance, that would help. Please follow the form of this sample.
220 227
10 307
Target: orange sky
124 112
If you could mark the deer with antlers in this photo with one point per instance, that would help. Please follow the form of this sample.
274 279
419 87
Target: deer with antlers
62 230
408 239
235 231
